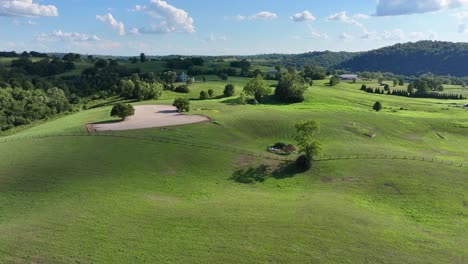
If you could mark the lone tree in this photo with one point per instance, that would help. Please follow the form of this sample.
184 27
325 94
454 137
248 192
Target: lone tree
334 80
305 131
211 92
290 88
182 105
203 95
122 111
257 88
229 90
143 57
377 106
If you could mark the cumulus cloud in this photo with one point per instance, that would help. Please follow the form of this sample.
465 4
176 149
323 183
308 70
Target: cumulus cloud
303 16
170 19
463 29
406 7
26 8
315 34
214 37
59 35
109 19
343 17
461 15
263 15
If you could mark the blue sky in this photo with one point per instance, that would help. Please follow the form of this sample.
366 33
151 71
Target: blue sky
222 27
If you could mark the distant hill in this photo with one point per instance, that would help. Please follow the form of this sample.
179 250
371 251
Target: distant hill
441 58
327 59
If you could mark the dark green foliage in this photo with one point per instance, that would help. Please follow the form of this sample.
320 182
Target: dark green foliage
122 111
45 67
334 80
387 87
203 95
211 92
440 58
182 105
303 163
223 76
326 59
19 107
258 88
143 58
252 175
184 63
291 88
229 90
377 106
182 89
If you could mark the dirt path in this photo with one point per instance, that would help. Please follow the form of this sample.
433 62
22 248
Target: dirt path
148 116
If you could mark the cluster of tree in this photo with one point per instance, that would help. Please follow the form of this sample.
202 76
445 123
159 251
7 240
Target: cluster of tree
257 88
412 93
291 88
184 88
244 65
325 59
19 106
441 58
184 63
12 54
44 67
135 88
314 72
424 85
206 95
71 57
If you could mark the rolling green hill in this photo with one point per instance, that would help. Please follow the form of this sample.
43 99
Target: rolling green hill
136 199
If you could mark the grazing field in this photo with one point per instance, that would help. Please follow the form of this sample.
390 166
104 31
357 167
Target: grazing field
102 199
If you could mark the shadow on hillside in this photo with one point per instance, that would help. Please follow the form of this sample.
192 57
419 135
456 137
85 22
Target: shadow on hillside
287 169
251 175
261 173
231 101
112 102
107 122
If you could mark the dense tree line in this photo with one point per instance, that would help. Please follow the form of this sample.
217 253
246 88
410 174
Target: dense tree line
441 58
414 93
44 67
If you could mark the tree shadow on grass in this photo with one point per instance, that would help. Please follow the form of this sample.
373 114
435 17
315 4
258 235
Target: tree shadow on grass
287 169
112 121
251 175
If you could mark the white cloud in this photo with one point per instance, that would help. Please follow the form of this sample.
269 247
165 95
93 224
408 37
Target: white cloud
423 35
406 7
343 17
59 35
361 16
263 15
109 19
303 16
315 34
26 8
345 36
461 15
396 34
170 19
266 15
214 37
134 31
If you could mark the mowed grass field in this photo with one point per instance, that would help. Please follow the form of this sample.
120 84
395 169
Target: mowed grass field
96 199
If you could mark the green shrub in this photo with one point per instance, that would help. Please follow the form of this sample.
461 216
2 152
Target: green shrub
122 111
229 90
182 105
182 89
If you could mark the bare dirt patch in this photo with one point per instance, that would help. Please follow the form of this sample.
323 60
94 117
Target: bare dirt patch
149 116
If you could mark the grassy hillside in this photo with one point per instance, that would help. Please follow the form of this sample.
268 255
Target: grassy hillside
118 200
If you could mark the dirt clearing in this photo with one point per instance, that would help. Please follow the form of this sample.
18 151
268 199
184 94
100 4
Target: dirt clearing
148 116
